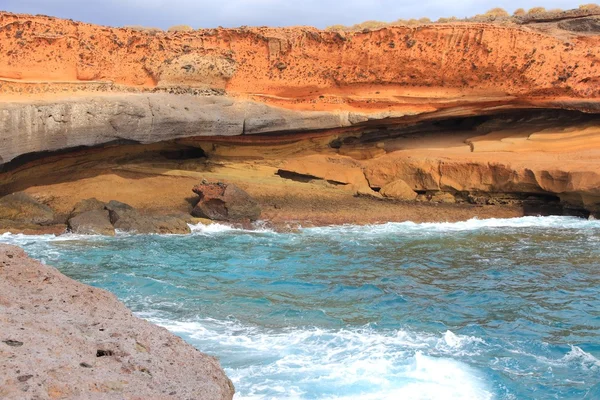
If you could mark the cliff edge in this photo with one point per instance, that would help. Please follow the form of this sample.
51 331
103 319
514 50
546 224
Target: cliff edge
487 113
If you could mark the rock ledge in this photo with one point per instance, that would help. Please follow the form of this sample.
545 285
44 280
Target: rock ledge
62 339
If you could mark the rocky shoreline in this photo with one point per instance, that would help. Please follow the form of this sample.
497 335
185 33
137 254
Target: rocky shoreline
62 339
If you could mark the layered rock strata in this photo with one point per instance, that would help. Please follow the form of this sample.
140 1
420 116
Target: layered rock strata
479 111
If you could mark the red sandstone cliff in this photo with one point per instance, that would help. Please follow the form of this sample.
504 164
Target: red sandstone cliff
460 108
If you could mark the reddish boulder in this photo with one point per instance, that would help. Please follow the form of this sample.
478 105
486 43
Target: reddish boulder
224 202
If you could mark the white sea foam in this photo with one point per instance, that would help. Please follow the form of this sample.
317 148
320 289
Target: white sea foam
216 228
469 225
338 364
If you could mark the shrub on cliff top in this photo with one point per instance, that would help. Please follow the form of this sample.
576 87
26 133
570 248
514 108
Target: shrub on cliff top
590 6
446 20
180 28
335 28
140 28
536 10
496 12
519 12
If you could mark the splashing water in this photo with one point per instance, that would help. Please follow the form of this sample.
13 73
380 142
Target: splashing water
481 309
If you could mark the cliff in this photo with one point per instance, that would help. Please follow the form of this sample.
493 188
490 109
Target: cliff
509 111
62 339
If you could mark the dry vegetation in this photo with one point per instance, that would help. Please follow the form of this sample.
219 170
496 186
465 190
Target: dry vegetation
180 28
495 15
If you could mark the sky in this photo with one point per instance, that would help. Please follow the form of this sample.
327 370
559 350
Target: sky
234 13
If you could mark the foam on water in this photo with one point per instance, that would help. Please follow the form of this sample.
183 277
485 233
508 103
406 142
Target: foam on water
216 228
479 309
340 364
469 225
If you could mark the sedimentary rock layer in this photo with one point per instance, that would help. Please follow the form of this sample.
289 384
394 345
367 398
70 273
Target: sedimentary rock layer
462 108
63 339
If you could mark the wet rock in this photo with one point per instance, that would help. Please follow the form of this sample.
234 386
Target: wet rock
224 202
94 222
398 190
135 222
21 207
87 205
65 334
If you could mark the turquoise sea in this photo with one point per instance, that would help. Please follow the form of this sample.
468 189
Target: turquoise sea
482 309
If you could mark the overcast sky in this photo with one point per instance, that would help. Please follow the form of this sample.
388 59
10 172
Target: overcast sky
232 13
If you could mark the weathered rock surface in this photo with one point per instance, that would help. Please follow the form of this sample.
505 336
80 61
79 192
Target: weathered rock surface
398 190
145 118
224 202
127 219
135 222
87 205
140 86
94 222
61 339
22 208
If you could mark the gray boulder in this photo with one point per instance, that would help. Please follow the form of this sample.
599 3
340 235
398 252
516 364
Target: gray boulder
87 205
94 222
21 207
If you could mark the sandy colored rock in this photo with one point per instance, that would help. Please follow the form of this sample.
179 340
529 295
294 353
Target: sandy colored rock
62 339
443 197
22 208
94 222
398 190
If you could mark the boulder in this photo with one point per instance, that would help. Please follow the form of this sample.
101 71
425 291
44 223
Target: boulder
21 207
87 205
398 190
133 221
94 222
443 197
224 202
116 209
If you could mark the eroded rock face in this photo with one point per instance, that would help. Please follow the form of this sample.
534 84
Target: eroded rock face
224 202
81 342
22 208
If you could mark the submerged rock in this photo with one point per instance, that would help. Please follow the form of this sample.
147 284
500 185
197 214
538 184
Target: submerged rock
81 342
94 222
21 207
224 202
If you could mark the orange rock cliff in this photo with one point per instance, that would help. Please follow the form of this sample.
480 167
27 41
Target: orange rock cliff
481 114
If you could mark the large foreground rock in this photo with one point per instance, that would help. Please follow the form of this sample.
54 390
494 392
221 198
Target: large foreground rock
224 202
60 339
21 207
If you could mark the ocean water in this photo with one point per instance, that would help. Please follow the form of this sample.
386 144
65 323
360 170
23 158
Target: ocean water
482 309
